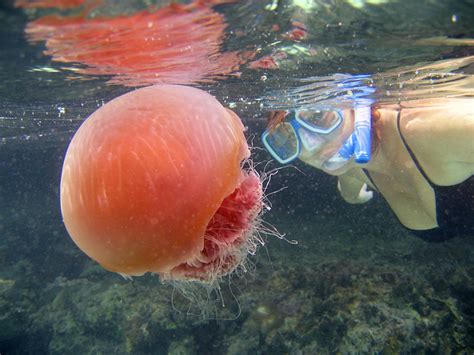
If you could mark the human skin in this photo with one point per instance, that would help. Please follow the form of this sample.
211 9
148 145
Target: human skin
440 133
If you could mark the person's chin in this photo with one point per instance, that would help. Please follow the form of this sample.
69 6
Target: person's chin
336 165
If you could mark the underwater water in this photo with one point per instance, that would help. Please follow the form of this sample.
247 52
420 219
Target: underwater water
356 281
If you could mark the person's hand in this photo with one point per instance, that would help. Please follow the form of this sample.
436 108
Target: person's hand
363 196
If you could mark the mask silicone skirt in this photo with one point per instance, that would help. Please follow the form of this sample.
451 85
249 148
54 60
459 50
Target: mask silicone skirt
153 182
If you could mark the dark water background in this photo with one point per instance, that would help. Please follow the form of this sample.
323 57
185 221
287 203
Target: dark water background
356 282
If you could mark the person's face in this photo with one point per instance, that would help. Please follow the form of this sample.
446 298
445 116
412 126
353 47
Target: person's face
329 146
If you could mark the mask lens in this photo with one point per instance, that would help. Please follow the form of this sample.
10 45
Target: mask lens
319 121
310 140
282 142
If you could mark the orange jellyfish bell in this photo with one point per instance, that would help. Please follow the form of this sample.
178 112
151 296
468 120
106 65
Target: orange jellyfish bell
153 182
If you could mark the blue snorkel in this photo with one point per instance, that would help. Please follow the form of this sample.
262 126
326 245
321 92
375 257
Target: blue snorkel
359 142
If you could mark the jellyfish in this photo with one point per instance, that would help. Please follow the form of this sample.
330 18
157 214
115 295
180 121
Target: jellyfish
154 181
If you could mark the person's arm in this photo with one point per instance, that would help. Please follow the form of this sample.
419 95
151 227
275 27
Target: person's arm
353 187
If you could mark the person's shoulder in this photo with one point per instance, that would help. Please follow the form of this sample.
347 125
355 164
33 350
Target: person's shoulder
440 134
445 104
437 114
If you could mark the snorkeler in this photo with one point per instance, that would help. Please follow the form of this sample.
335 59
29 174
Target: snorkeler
419 155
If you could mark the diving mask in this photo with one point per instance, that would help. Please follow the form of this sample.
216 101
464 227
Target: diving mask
307 128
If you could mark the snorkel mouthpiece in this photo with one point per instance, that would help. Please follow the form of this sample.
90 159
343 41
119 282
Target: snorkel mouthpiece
359 142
